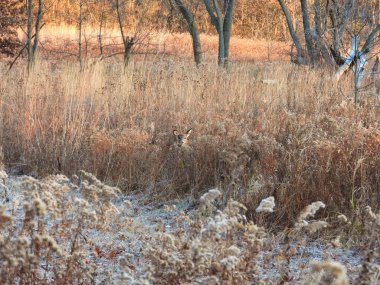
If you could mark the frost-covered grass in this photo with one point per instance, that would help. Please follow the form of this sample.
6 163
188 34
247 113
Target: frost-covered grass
58 230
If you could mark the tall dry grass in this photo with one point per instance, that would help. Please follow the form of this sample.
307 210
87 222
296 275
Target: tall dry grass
300 140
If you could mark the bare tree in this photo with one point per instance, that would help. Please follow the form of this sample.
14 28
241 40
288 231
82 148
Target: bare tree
325 40
128 42
134 18
356 58
313 37
362 26
336 25
221 12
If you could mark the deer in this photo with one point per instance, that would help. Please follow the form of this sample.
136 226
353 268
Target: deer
181 139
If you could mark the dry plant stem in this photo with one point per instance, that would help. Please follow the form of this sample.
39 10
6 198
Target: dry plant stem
74 242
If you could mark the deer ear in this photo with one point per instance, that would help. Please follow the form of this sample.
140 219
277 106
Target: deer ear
188 133
175 132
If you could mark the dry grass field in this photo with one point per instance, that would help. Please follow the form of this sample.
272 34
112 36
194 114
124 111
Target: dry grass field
300 139
61 42
258 130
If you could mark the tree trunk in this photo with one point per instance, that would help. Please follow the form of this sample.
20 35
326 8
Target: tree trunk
100 38
351 58
339 20
221 47
317 17
292 32
356 56
120 21
37 30
127 57
227 26
192 28
80 34
197 48
129 43
29 33
218 22
334 24
100 35
307 31
320 48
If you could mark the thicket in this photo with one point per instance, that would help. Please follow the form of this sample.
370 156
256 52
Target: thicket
10 19
300 139
252 19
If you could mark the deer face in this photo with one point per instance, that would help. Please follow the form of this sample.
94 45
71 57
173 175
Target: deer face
181 139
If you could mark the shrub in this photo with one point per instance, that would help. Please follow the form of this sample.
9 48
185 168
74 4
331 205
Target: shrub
10 17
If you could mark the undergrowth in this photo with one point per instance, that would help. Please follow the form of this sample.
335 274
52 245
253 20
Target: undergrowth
80 231
301 139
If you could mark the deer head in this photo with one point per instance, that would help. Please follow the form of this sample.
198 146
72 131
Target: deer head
181 138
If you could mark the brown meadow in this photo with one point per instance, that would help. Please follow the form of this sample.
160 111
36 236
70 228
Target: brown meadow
162 172
300 138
